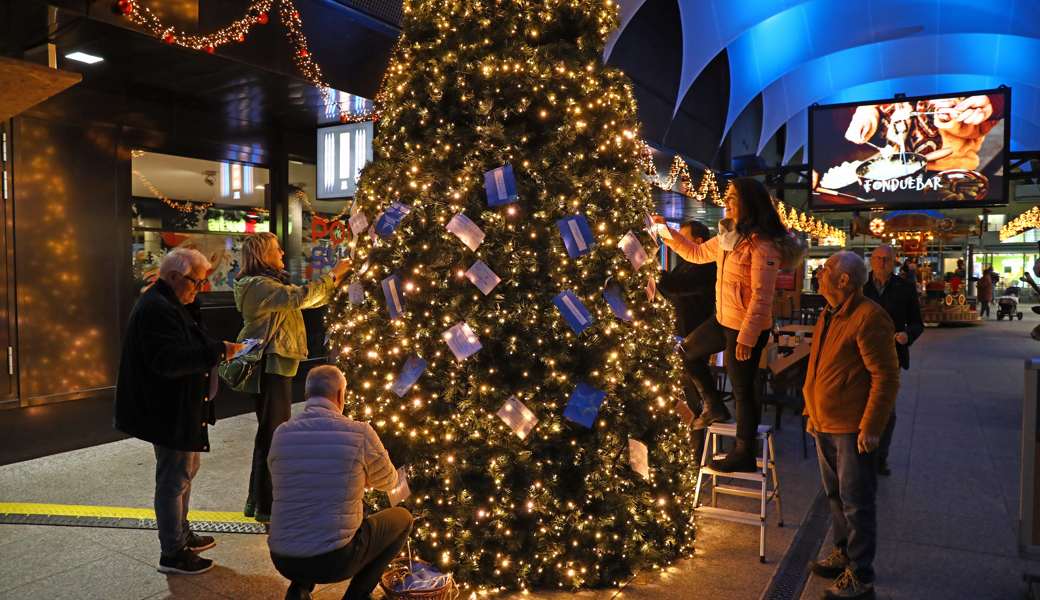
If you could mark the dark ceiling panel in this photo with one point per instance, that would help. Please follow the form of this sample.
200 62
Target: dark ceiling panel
696 130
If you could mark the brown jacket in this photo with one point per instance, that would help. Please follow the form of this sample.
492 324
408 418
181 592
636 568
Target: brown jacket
853 373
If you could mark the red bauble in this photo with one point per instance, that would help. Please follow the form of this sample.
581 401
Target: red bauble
343 117
375 118
303 52
241 38
169 39
125 6
262 19
295 15
208 49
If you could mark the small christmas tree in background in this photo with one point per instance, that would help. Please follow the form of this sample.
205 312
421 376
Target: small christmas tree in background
475 86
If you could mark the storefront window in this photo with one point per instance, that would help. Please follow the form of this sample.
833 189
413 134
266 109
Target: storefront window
319 234
183 202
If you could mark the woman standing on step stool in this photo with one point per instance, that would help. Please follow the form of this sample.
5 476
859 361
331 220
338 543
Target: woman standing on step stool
752 245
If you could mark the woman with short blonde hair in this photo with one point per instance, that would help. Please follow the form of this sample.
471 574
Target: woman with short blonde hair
270 307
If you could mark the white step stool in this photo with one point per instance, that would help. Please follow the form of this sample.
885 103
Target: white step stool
766 464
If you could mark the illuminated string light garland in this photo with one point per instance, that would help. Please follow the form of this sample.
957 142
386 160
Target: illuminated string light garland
792 219
185 206
680 171
256 14
1024 222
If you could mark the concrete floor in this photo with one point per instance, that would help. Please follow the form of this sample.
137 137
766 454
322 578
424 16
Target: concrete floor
947 514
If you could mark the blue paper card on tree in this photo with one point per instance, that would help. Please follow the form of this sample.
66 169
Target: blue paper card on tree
500 186
391 218
573 310
617 303
410 372
577 235
392 291
584 404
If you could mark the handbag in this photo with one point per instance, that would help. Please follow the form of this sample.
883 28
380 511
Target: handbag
242 373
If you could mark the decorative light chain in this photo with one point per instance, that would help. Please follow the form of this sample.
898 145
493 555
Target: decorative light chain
792 219
877 226
1027 220
185 206
680 171
256 14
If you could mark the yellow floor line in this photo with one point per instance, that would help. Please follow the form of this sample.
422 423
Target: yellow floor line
21 508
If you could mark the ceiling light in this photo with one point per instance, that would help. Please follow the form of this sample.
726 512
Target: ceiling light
702 211
86 58
259 187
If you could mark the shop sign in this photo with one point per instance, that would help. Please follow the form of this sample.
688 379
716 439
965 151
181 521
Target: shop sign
335 231
322 257
236 226
785 281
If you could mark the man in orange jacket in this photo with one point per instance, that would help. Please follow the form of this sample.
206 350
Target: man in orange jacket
850 391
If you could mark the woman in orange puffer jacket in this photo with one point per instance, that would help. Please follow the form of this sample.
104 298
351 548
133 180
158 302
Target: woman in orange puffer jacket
750 248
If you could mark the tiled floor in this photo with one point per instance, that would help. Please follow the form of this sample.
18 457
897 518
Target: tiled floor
947 514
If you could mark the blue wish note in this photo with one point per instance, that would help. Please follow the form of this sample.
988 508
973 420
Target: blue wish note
391 218
500 186
410 372
577 235
573 310
584 404
617 303
392 292
633 249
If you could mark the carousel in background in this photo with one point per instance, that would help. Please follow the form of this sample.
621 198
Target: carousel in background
917 234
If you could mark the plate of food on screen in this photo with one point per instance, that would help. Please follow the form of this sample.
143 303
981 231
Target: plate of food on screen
960 184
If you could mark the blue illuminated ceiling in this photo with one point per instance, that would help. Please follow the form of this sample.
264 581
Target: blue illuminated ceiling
788 54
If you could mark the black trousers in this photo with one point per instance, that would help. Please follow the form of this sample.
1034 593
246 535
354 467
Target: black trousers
273 407
886 438
710 338
377 542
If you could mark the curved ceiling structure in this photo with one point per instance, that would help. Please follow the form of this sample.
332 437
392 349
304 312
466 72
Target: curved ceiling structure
791 53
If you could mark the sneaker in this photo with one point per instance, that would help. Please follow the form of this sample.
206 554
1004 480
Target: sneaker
185 562
882 467
198 543
249 509
847 587
832 566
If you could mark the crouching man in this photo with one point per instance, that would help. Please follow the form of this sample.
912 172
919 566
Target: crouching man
321 462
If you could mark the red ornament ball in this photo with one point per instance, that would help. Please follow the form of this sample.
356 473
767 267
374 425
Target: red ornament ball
303 52
241 38
208 49
169 38
343 117
125 6
262 19
295 15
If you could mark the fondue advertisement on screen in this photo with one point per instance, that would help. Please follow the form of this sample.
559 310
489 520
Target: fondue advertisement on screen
941 151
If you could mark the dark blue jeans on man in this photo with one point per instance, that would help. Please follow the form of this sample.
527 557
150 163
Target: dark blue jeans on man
850 482
174 470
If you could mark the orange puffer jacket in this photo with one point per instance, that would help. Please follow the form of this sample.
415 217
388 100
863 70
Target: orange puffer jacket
746 282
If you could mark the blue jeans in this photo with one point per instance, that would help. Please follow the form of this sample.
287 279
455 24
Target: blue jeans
850 481
174 470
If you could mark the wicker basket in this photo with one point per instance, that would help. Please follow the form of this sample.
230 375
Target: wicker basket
396 575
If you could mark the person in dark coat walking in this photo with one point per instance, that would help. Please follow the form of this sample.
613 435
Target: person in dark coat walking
167 376
690 287
984 293
899 299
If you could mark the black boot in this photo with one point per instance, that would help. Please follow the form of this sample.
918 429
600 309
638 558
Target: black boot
740 460
714 410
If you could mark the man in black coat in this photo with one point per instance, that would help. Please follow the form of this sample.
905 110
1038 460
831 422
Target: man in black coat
167 374
690 287
899 299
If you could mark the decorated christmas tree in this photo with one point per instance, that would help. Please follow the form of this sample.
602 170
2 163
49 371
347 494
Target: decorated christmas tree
504 338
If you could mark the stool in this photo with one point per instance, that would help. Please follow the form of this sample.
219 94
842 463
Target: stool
767 465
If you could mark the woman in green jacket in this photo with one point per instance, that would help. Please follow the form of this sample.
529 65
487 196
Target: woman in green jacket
270 308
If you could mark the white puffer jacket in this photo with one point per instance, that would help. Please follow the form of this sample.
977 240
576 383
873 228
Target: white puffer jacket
321 462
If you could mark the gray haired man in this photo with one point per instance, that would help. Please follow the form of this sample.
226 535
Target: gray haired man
163 397
321 462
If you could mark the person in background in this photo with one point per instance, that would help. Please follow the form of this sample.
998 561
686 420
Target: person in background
270 308
899 299
321 462
984 292
750 248
167 375
910 272
816 280
690 288
850 391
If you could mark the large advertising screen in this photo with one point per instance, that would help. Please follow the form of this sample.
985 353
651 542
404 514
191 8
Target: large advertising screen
943 151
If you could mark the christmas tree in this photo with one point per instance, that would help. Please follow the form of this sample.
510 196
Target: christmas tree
501 209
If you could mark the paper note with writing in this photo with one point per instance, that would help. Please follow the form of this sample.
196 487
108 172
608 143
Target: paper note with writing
462 341
617 303
519 418
573 310
500 186
399 493
392 291
391 218
633 249
651 289
663 230
356 293
638 458
577 236
466 230
684 412
584 404
358 223
410 372
482 277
